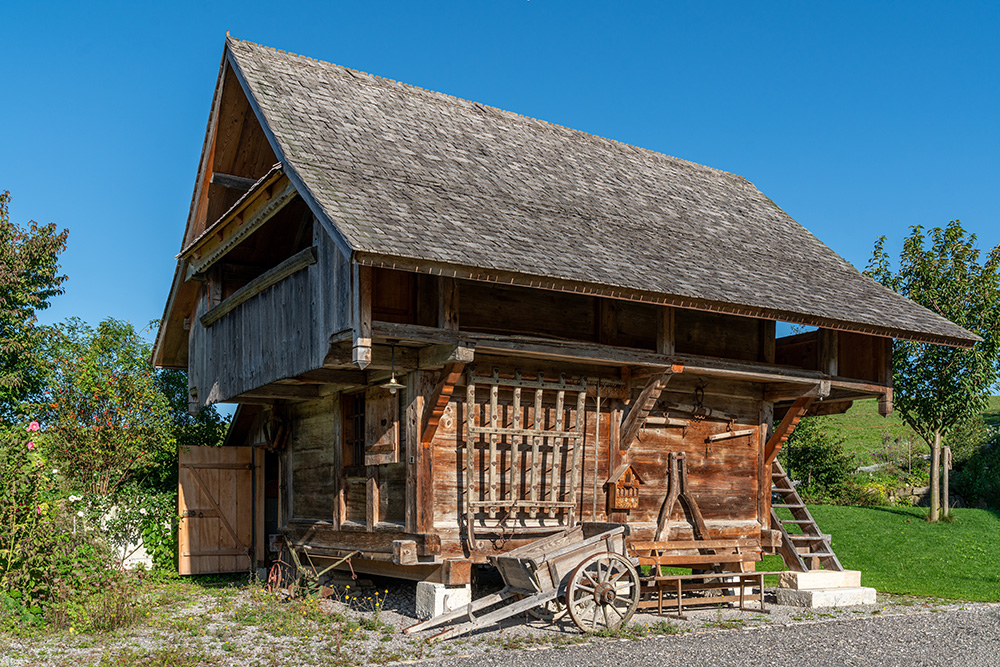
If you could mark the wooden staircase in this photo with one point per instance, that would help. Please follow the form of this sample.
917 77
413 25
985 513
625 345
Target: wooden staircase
807 549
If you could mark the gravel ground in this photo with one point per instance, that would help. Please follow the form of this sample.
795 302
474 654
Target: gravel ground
212 629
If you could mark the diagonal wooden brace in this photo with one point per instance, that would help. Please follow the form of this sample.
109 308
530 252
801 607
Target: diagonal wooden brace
785 428
633 422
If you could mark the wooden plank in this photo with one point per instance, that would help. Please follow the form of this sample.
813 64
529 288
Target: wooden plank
515 444
639 408
555 443
727 435
361 315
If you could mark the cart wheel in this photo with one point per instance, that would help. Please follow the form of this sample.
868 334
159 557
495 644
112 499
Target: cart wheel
603 592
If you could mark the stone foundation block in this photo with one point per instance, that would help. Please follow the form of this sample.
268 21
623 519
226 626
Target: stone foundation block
434 599
825 597
820 579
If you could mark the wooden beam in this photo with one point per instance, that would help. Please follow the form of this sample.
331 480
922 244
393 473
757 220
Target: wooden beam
361 315
438 356
334 376
281 391
639 409
784 430
776 392
290 266
233 182
607 319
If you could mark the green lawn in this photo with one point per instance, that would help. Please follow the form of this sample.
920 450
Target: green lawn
898 551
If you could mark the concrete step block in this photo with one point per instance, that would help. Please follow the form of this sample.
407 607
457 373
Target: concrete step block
434 599
825 597
820 579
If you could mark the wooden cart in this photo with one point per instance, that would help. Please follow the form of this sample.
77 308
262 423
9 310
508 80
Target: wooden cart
586 566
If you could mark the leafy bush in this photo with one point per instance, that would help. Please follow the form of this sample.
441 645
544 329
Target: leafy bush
817 458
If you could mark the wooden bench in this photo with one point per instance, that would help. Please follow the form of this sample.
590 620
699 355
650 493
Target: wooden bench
730 557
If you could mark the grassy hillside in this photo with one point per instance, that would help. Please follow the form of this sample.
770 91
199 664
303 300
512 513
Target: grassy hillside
898 551
864 430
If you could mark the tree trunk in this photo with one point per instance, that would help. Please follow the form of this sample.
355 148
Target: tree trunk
935 478
945 495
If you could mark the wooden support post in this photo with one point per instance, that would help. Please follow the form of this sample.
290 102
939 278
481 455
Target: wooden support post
665 337
361 315
885 377
827 342
607 321
415 481
640 407
785 428
447 303
768 335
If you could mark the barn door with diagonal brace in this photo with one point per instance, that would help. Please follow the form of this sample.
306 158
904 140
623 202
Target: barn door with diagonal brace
215 499
523 448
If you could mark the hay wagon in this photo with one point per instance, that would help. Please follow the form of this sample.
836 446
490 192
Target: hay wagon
587 566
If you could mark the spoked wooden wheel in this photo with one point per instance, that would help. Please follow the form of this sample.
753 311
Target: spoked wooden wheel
603 592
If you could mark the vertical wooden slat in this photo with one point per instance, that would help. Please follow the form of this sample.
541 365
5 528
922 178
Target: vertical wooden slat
556 442
491 464
575 476
470 468
515 443
536 438
414 412
665 331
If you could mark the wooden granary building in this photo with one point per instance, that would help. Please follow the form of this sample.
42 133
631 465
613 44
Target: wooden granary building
452 329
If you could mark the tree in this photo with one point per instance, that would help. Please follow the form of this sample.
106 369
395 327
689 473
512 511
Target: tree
29 278
104 408
937 387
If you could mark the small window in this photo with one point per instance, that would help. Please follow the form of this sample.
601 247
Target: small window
354 429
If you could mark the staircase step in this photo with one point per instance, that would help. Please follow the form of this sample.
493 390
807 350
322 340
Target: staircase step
806 538
799 505
797 521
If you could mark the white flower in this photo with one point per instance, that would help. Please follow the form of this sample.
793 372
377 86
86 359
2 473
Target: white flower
55 471
73 499
143 511
80 514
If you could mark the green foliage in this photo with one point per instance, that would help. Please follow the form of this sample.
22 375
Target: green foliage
817 457
977 477
29 278
105 410
937 387
206 429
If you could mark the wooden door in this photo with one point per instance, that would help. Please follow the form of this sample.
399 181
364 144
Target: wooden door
215 498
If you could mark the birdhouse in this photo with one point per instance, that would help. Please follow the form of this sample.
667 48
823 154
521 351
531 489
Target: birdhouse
623 485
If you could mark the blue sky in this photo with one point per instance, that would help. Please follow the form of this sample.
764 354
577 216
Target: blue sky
859 119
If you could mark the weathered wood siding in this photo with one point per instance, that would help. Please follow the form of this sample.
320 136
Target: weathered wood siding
312 459
282 332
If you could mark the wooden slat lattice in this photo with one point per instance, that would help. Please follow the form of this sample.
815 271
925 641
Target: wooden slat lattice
526 468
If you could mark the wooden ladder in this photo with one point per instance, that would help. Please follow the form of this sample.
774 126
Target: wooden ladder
810 549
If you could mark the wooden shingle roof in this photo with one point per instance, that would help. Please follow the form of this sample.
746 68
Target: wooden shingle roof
404 173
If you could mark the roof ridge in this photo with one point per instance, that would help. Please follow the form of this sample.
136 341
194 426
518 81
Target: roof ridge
513 114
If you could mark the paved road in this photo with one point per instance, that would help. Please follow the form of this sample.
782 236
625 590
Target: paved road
966 638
